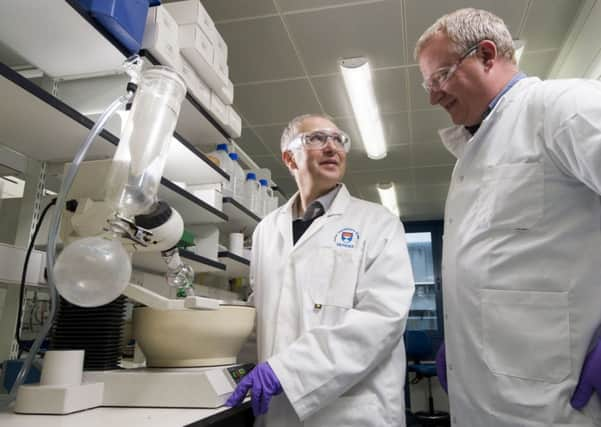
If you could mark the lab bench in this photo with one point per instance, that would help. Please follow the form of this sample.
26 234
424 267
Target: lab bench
147 417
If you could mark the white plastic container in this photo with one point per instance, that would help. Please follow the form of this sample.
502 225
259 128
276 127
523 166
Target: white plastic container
225 163
263 199
237 177
251 192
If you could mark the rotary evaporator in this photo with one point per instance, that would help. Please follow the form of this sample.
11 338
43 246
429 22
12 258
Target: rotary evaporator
108 210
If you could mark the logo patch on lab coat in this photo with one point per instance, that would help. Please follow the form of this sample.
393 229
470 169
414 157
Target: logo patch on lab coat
346 238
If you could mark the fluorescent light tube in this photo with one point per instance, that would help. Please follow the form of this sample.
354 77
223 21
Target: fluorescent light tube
387 194
357 79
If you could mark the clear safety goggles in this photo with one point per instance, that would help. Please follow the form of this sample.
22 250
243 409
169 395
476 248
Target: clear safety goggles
318 139
439 77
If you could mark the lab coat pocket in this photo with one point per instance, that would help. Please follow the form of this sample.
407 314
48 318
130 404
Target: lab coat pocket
526 334
514 195
361 411
334 282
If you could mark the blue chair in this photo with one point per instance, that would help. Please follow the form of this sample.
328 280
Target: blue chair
418 346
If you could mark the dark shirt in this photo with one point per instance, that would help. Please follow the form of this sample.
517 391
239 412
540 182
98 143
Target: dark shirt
315 209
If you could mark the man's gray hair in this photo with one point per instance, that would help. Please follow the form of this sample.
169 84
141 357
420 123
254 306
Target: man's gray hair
466 28
291 129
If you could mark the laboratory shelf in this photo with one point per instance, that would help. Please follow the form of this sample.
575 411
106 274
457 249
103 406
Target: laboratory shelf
44 128
186 163
241 219
152 262
235 265
58 37
188 205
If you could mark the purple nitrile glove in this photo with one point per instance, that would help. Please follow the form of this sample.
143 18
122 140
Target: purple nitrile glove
441 367
590 378
263 385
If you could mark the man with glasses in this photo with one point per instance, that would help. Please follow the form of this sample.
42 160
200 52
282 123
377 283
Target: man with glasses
522 249
332 285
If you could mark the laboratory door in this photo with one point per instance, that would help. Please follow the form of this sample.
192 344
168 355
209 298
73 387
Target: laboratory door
424 241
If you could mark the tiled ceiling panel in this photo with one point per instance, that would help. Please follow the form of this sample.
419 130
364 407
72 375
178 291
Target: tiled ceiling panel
431 154
259 50
544 18
538 63
221 10
251 144
425 124
397 157
296 5
275 102
271 136
325 36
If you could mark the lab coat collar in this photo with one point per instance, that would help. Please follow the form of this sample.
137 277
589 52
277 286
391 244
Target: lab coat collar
455 138
285 215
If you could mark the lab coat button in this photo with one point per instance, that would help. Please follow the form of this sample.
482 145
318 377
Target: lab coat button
461 178
450 366
453 419
450 220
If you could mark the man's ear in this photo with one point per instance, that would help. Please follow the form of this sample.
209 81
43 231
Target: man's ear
288 159
487 51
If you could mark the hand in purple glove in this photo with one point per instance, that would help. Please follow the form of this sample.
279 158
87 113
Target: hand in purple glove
441 367
590 378
263 384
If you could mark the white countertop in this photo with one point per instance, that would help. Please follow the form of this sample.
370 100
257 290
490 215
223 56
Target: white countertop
112 417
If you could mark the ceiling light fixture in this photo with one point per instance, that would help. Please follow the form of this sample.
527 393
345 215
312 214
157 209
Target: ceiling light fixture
359 86
519 46
388 198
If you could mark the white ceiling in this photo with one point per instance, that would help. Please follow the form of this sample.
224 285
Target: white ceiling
283 61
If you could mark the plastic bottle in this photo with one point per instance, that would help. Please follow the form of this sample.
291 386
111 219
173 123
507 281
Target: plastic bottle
237 178
251 191
262 199
225 163
271 201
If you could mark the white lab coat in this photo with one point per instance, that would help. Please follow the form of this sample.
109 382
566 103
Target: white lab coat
522 257
331 311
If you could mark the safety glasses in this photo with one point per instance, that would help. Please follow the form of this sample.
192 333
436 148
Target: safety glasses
439 77
318 139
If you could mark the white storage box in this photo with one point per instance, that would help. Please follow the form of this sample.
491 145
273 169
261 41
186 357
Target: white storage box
206 243
198 51
193 12
196 87
221 67
195 46
219 46
208 193
226 93
161 37
234 123
218 109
